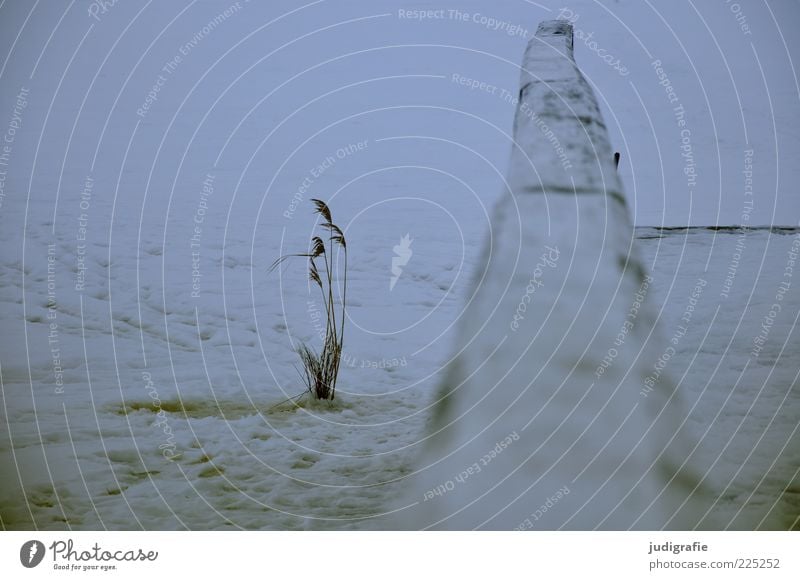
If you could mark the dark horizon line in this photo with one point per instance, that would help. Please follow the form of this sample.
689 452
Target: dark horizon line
719 228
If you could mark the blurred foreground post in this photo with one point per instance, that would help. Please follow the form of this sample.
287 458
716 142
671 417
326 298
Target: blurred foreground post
550 415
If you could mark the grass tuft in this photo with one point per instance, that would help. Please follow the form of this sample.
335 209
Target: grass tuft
321 370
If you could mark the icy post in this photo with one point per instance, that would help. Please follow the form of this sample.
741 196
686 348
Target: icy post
548 416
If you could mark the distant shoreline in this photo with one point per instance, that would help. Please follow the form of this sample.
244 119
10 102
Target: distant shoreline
723 229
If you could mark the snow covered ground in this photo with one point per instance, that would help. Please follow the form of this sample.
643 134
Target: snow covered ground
156 170
94 455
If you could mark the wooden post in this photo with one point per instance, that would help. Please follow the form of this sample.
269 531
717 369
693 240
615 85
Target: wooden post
547 416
